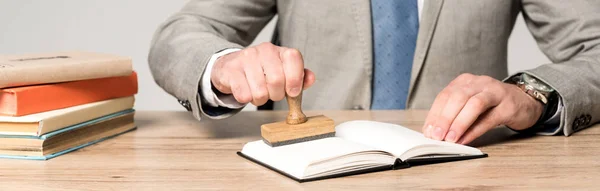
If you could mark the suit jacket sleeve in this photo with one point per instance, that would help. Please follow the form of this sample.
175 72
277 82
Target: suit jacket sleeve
183 44
569 34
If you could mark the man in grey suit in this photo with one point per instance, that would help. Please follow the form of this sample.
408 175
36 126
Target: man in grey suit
386 54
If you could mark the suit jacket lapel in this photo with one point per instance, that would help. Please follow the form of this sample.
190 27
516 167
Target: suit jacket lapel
429 17
361 10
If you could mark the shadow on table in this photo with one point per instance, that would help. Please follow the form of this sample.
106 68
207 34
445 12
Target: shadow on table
243 124
499 135
178 124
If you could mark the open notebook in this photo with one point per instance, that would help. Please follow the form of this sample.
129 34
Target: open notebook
358 147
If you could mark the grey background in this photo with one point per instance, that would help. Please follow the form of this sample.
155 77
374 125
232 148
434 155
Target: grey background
126 28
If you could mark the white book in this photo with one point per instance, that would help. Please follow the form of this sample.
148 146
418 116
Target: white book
358 147
42 123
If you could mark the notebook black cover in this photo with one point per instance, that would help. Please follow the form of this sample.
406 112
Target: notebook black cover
434 160
399 164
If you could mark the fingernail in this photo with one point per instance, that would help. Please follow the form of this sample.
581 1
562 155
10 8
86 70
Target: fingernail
428 131
450 137
295 91
437 133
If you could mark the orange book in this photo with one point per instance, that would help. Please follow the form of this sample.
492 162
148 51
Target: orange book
19 101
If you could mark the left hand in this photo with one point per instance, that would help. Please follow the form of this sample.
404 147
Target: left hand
471 105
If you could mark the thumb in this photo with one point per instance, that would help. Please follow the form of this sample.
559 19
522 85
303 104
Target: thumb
309 78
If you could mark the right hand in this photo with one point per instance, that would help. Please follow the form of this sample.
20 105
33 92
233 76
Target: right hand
259 73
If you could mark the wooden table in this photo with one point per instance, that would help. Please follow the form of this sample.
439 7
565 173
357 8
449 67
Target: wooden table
172 151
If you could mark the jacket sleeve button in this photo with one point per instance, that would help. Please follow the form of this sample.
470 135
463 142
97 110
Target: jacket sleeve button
185 104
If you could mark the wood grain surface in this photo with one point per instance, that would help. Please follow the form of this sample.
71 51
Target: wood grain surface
172 151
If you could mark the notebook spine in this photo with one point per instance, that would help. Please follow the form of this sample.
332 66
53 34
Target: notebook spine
399 164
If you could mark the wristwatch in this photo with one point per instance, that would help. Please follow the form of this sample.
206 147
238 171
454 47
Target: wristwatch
535 88
539 91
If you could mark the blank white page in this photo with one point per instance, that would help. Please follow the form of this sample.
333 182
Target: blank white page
294 158
388 137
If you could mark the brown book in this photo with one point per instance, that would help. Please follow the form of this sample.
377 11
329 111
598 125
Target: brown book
30 69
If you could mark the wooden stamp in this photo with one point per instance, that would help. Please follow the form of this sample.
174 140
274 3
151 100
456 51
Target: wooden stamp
297 127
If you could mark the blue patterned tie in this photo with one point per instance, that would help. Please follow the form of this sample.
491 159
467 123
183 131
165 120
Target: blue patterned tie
395 28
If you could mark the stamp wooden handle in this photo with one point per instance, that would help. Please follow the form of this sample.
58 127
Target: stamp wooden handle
295 115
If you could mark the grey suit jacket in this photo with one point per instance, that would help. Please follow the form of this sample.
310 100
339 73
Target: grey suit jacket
335 38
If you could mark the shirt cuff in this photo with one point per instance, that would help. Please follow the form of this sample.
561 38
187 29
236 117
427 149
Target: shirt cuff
552 124
210 97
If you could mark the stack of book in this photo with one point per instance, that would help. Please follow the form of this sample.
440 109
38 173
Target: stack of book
55 103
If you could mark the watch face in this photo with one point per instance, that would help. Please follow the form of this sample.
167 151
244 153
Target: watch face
536 84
